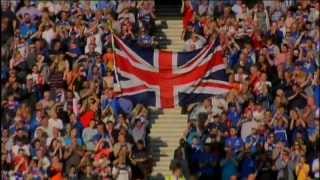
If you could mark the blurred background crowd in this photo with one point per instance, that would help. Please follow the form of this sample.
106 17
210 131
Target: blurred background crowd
269 129
60 117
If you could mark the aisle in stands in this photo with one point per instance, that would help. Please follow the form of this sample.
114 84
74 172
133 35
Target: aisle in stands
60 118
270 128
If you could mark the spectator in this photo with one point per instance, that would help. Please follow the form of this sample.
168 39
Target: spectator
196 42
141 160
144 40
176 173
229 166
302 169
57 63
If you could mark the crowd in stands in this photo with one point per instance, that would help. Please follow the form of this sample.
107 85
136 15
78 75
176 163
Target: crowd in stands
59 115
268 129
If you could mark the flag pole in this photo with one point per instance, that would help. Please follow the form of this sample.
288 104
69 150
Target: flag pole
118 87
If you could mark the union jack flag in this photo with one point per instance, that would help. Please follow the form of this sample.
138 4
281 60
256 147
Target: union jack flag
169 79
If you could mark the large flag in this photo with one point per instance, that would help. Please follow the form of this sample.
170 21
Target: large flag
169 79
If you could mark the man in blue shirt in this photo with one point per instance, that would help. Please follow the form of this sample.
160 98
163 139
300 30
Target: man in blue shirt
102 134
234 142
144 40
252 141
248 166
109 101
27 28
233 115
281 134
103 5
207 162
316 93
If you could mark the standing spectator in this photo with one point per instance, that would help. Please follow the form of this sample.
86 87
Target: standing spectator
176 173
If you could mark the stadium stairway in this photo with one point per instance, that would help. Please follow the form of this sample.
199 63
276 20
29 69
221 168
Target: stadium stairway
166 130
168 124
170 28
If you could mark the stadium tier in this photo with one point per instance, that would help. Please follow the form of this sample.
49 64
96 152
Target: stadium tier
160 90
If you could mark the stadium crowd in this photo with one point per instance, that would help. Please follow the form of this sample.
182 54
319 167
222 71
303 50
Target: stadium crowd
269 129
60 118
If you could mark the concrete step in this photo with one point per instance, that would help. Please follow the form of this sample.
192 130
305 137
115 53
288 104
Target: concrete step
176 38
165 140
175 46
168 144
168 130
172 110
180 47
160 133
169 115
166 158
171 143
174 122
174 22
163 150
173 32
161 169
173 28
177 43
170 120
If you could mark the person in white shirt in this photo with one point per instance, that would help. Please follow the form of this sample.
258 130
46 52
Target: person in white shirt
55 122
315 168
237 9
195 42
247 124
121 170
95 38
203 7
49 34
16 147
